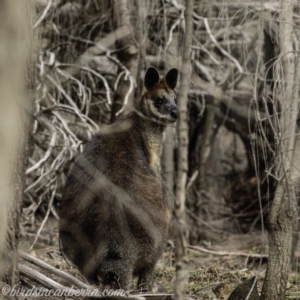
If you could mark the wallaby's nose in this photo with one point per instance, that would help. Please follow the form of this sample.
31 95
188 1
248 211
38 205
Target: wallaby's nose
174 113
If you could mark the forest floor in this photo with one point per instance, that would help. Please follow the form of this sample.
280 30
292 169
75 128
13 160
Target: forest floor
213 274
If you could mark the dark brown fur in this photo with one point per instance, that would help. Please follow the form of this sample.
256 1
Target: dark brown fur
114 216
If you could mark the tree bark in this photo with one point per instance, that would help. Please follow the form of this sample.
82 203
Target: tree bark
182 129
283 211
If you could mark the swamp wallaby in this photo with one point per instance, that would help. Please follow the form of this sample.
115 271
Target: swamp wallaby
114 216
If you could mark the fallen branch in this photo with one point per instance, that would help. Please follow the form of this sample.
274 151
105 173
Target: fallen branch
49 283
40 278
224 253
63 275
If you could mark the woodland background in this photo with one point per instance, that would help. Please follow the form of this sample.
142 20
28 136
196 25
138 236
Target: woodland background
85 70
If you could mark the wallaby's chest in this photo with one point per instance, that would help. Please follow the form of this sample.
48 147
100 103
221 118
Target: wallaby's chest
154 155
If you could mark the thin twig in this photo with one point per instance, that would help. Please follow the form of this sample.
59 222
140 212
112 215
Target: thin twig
107 89
126 98
239 67
70 100
43 16
46 217
53 132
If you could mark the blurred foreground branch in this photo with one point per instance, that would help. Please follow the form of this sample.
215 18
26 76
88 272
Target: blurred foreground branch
13 124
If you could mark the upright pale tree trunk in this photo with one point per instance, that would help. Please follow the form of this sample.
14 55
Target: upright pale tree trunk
172 60
182 129
129 57
283 212
13 25
168 166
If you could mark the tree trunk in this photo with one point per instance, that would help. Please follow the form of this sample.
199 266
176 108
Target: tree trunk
171 61
182 129
283 212
14 47
129 57
295 179
168 166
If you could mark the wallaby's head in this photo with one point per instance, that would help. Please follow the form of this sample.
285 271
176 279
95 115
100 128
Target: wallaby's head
159 99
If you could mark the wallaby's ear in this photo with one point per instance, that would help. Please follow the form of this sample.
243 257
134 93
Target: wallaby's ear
151 78
171 78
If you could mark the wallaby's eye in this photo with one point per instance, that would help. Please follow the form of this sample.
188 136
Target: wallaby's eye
175 100
159 101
